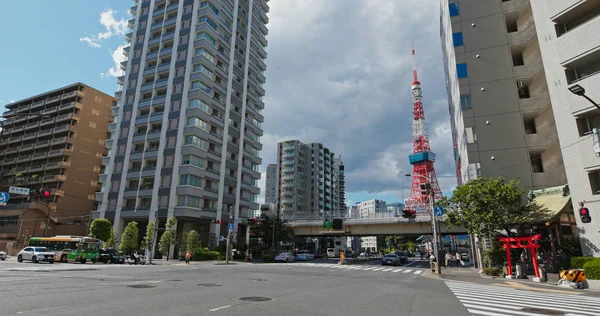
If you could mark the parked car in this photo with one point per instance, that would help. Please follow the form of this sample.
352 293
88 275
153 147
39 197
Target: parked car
318 255
111 256
3 255
390 259
36 254
402 256
304 255
332 253
285 257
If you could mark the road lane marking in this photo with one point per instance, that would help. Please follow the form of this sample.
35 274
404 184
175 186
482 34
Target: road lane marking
218 308
39 310
397 270
407 271
377 269
386 270
418 272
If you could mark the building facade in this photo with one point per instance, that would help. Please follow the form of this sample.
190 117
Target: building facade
271 183
502 119
186 140
395 209
308 182
372 209
341 183
54 143
570 49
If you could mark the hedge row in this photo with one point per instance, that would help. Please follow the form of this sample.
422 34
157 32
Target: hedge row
578 262
592 269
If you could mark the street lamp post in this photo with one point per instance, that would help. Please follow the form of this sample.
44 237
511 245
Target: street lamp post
434 227
580 91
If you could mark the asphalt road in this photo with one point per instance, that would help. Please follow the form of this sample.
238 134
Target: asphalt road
302 288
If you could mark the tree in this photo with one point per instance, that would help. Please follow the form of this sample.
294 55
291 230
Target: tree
264 230
101 228
149 238
486 206
129 239
193 242
168 237
112 241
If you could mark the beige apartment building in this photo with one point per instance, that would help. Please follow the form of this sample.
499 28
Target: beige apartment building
52 142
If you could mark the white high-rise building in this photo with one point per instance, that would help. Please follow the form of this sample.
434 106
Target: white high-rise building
371 209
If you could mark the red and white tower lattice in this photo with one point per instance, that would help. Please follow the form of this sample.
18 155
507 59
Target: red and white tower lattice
422 158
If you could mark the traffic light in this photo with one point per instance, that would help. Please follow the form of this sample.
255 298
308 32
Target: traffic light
406 213
327 224
584 215
46 193
220 222
425 187
338 223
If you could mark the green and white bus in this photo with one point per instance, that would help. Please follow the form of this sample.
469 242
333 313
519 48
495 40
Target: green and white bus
70 248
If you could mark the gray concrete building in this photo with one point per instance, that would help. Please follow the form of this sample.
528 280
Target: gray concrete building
341 183
570 49
307 184
270 183
186 141
502 117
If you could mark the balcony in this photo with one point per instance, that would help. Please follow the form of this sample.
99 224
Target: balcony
62 128
60 140
287 185
50 111
528 71
66 117
15 139
288 163
30 136
535 103
105 160
45 132
288 177
48 121
54 178
36 168
70 106
513 5
540 141
288 170
42 144
289 155
9 161
27 146
577 42
287 201
53 99
18 129
69 94
39 155
32 125
288 193
56 165
522 36
23 108
549 178
56 152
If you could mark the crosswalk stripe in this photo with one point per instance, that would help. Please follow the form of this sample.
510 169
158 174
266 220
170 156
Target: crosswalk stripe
407 271
377 269
397 270
492 300
385 270
418 272
367 269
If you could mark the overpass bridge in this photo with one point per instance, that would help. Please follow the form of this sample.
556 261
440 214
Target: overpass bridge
421 225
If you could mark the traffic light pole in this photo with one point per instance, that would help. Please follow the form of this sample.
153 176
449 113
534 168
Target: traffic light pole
228 250
436 251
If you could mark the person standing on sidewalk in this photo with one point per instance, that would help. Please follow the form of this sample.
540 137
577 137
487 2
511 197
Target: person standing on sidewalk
448 259
188 256
457 260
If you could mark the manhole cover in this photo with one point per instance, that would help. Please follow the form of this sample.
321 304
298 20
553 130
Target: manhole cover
542 311
141 286
258 280
254 299
209 284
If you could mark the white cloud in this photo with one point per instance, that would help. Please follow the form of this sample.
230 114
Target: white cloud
112 26
118 57
11 101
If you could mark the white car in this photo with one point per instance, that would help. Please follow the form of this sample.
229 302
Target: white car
3 255
304 255
36 254
285 257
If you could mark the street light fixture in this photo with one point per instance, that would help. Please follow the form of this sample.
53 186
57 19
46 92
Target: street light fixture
580 91
436 252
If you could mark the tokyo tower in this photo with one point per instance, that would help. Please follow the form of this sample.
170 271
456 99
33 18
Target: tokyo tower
422 158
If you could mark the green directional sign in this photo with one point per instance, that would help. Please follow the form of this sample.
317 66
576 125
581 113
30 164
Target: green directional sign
327 224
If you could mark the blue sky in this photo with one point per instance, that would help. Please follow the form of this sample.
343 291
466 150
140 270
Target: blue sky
42 50
49 44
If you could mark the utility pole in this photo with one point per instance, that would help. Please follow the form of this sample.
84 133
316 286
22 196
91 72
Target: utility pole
229 231
276 227
436 251
154 237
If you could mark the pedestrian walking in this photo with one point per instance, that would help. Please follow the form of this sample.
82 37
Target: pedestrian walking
458 259
448 259
188 256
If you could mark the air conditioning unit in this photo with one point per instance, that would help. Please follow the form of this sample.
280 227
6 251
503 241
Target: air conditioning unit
519 83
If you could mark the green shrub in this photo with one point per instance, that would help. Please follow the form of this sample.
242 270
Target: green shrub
578 262
592 269
492 271
268 258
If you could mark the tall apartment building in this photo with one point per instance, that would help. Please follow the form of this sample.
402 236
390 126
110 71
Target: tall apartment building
501 113
395 209
270 183
341 183
186 141
307 180
372 208
53 142
570 49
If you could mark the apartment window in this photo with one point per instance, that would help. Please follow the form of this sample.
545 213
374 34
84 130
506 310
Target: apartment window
194 121
182 55
208 21
175 105
204 35
586 125
163 201
173 123
537 165
576 16
202 87
465 102
195 141
193 160
188 200
199 68
210 6
453 8
529 126
594 178
169 161
471 136
474 170
165 181
457 39
203 52
196 103
171 141
188 179
461 70
583 67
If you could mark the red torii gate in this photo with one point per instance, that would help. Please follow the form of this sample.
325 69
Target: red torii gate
521 243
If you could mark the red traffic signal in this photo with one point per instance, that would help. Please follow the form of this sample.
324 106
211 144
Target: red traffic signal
584 215
220 222
46 193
